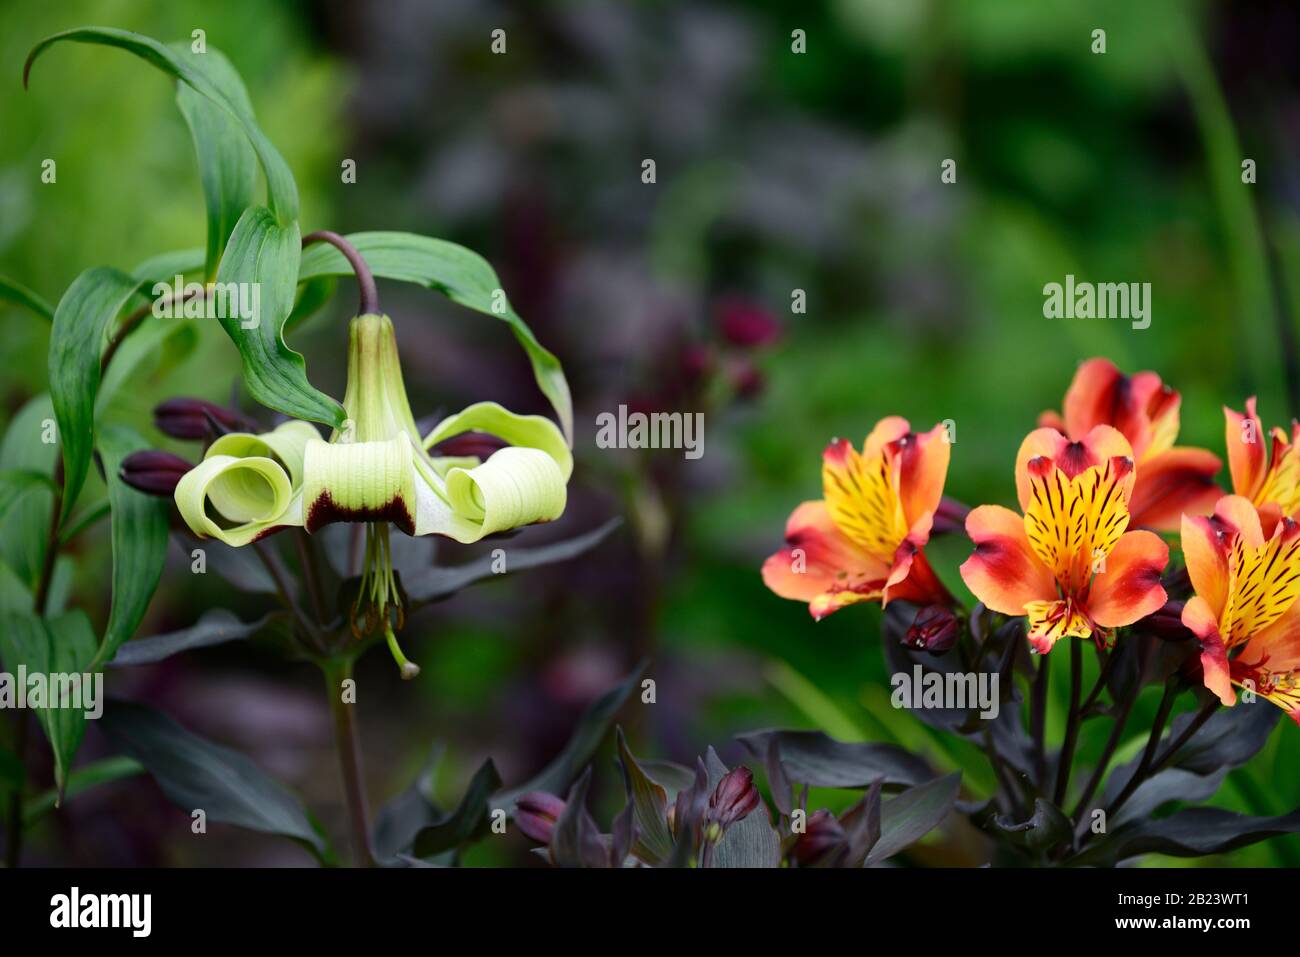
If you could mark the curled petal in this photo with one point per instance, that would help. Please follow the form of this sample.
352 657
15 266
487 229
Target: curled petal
253 495
1205 550
1243 437
889 429
1239 516
515 487
1091 398
818 557
1198 616
1004 573
524 431
360 482
287 443
1129 587
1171 483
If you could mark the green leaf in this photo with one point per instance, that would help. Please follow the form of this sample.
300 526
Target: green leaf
215 627
818 760
1193 832
80 781
281 190
15 482
751 841
913 814
437 581
264 254
139 524
52 647
20 295
25 535
12 772
461 275
405 815
649 800
466 822
591 730
165 267
76 344
227 163
195 773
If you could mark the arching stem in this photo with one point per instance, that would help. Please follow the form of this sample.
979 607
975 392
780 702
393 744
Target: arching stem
365 278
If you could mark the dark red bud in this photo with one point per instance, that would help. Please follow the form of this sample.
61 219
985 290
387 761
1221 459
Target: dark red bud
477 444
747 324
935 630
153 472
1167 623
536 813
950 516
822 842
186 418
747 380
733 798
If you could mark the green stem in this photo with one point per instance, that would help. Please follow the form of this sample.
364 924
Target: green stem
1116 732
1172 687
1038 719
347 745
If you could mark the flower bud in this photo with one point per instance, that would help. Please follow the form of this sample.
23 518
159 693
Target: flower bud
747 380
733 798
935 630
536 813
186 418
747 324
822 842
153 472
1167 622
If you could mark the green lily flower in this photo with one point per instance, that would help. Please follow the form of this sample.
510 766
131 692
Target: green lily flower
377 470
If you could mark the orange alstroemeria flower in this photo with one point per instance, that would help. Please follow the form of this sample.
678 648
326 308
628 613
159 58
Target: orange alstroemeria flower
1270 481
1068 563
863 540
1247 578
1171 480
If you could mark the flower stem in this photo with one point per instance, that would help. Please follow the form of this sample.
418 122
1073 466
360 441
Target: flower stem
1172 687
349 752
1066 758
1038 720
365 278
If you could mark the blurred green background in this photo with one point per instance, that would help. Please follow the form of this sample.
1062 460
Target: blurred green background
776 171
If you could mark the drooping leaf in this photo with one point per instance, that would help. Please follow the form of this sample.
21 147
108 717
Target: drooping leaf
195 773
15 482
91 303
916 812
407 814
25 534
60 646
649 802
20 295
281 190
467 822
139 523
214 627
1165 787
262 255
227 162
462 276
1193 832
590 731
749 842
437 581
816 759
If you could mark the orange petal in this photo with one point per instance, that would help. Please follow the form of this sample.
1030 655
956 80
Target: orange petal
889 429
1242 518
1052 420
923 467
1173 482
833 601
1214 656
1090 400
1243 437
1265 583
818 557
1204 542
1073 458
1277 647
1129 586
1003 572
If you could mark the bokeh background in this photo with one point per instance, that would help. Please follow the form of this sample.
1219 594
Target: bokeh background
776 171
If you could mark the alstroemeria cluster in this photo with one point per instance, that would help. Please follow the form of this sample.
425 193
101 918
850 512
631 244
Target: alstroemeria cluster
1082 557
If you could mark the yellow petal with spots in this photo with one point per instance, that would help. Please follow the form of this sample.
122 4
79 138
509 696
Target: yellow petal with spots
1263 583
861 494
1073 524
1050 621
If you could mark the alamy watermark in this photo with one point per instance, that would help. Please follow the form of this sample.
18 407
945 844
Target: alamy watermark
35 689
653 430
960 690
218 300
1104 300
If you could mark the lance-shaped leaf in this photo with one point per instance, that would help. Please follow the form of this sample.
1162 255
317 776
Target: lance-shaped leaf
913 814
20 295
591 730
76 344
438 581
467 822
262 260
281 190
816 759
407 814
139 535
195 773
1193 832
25 534
58 649
215 627
461 275
649 802
227 162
